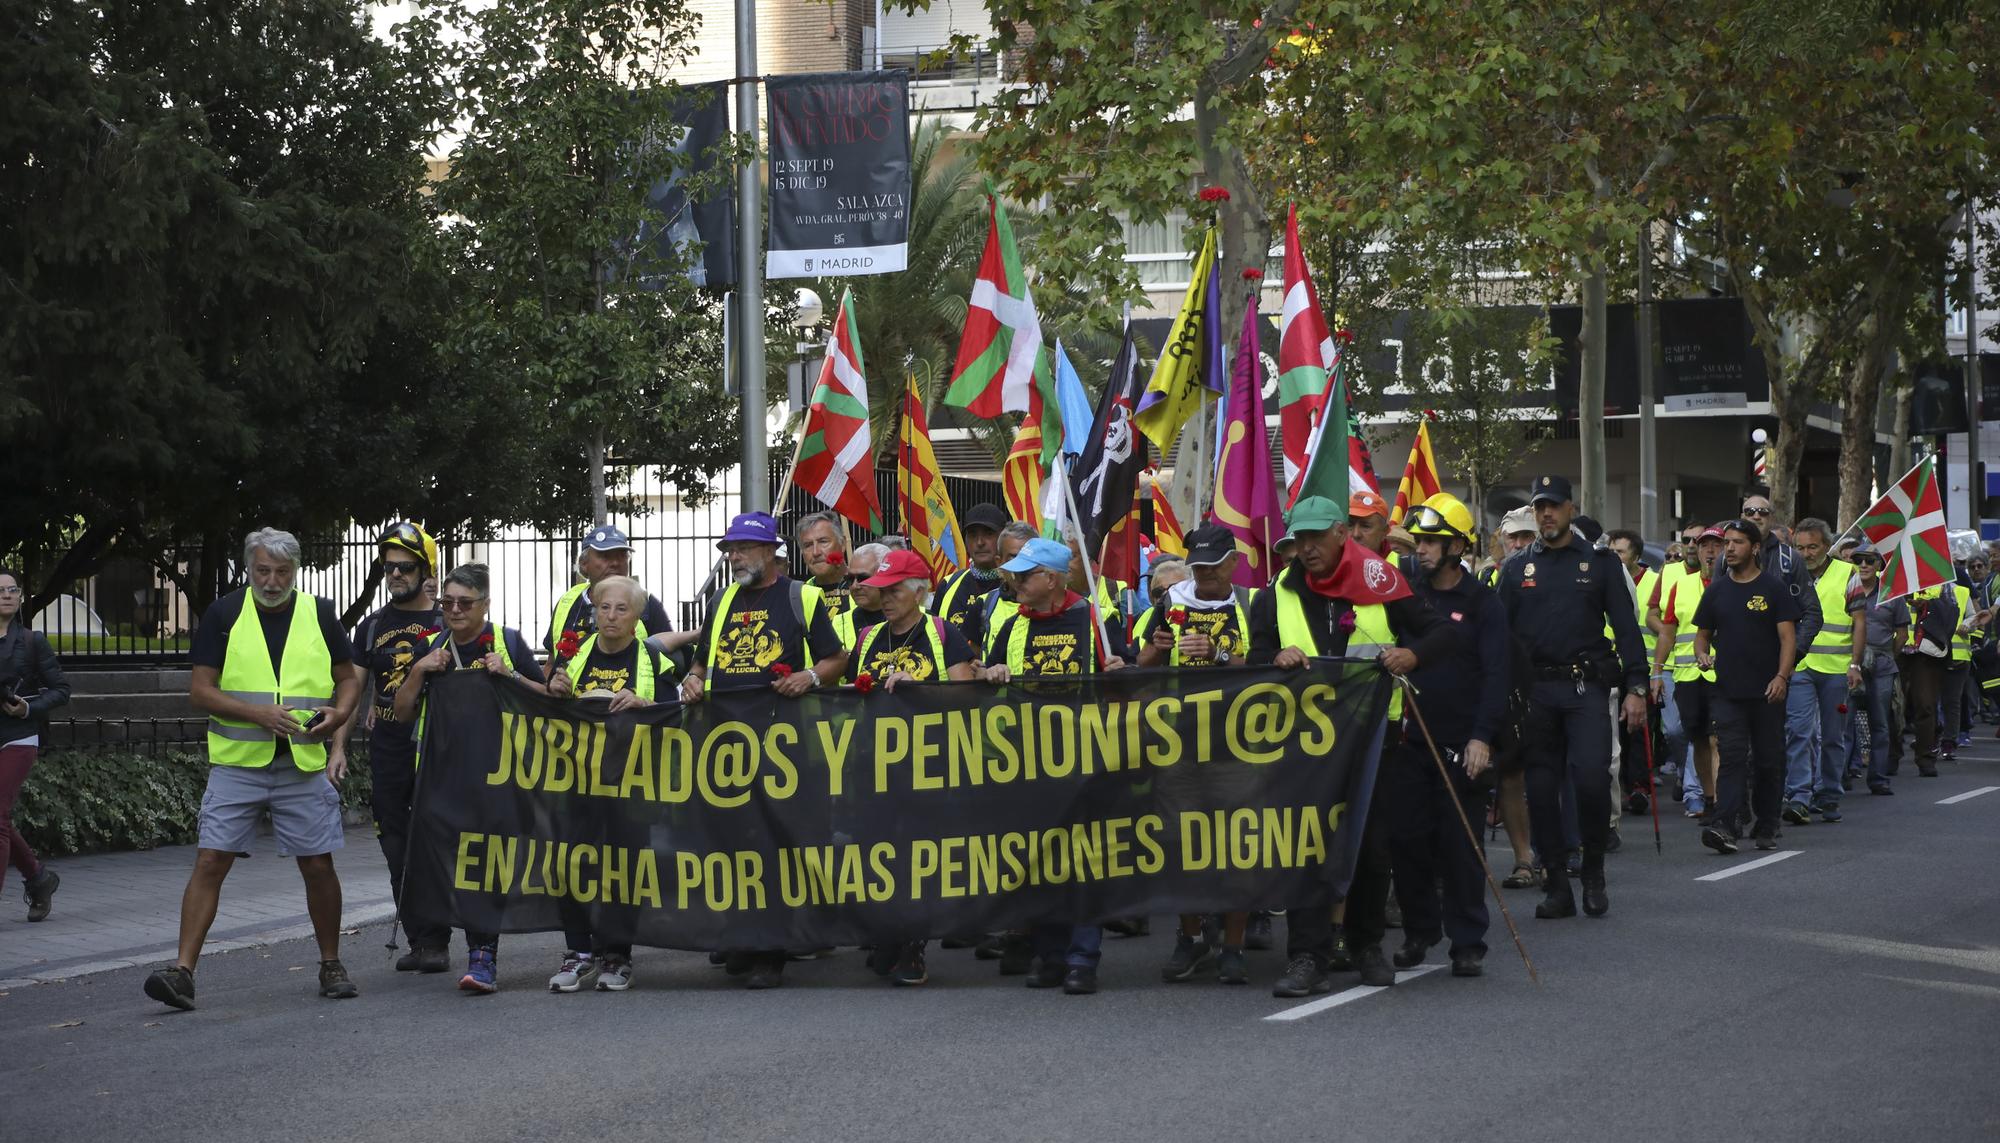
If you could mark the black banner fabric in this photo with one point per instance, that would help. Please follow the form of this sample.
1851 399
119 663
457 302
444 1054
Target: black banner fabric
1708 355
700 130
840 173
751 821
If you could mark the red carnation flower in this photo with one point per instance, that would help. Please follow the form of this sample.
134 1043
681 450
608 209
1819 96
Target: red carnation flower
568 645
780 669
836 558
1177 616
1842 708
1344 336
1346 623
1214 194
1252 273
486 640
864 682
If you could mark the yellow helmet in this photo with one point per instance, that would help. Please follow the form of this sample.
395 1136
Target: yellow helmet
412 538
1441 517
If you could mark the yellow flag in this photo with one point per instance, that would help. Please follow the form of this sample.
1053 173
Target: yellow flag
1181 380
928 518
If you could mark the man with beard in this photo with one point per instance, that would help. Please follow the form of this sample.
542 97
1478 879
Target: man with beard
1560 594
386 644
1829 671
1340 600
764 630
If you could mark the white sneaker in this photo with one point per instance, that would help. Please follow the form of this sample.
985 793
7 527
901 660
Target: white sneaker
577 974
616 976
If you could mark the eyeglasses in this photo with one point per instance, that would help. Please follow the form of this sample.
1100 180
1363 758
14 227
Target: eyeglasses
399 567
460 602
1748 511
10 591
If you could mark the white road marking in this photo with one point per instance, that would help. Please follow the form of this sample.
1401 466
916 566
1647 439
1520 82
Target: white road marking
1348 997
1724 874
1966 796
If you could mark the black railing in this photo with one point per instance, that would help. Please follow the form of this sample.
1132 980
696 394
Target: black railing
940 64
152 737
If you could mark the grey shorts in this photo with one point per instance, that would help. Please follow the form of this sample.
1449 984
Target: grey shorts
305 810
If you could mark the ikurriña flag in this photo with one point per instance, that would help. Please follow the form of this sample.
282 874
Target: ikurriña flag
836 455
1003 365
1907 525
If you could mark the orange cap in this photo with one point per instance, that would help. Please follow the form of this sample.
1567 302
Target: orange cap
1366 504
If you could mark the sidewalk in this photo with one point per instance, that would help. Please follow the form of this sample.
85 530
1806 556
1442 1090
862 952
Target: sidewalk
116 910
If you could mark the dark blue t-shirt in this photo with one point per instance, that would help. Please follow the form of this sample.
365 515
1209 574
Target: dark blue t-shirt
1743 620
211 640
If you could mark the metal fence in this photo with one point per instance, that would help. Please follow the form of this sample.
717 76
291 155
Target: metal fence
129 614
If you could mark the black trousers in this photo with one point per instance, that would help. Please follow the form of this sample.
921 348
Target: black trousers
1568 746
392 767
1309 924
1429 849
1923 681
1750 749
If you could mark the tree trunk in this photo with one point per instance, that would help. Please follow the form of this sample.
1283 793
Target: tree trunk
1591 339
1899 432
1245 228
1859 401
78 562
1787 450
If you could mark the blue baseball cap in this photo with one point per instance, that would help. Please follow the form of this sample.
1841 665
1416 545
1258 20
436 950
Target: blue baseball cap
751 528
605 538
1038 554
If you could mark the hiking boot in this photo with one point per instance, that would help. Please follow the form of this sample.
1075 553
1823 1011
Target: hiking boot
1304 976
1080 981
1257 932
482 969
1557 900
1048 974
40 891
333 982
616 973
1190 956
1231 968
1017 954
407 962
173 987
433 960
1467 962
909 969
1596 902
1412 953
577 974
1374 967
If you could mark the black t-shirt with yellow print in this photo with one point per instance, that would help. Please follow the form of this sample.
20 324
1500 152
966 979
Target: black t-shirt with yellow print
1066 643
1219 624
760 631
615 671
910 652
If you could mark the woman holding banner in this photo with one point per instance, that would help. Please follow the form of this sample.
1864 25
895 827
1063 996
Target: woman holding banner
469 642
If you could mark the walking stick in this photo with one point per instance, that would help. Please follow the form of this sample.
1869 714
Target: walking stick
1652 787
1479 851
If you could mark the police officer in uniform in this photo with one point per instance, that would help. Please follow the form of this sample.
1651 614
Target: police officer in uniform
1559 595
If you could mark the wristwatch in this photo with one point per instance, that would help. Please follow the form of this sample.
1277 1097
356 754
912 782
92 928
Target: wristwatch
1222 657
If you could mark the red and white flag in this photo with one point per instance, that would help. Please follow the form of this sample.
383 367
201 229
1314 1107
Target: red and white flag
836 454
1907 526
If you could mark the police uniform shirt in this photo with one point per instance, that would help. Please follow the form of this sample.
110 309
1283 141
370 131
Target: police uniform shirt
385 644
1558 601
759 632
910 652
582 619
1744 618
1218 623
211 642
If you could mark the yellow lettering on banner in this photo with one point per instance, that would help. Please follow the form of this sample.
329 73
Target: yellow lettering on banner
1058 760
1261 715
1197 841
613 880
852 876
1155 858
731 754
1312 843
526 744
581 889
1087 850
717 887
967 749
1006 768
1054 851
687 877
786 783
923 863
503 766
1097 736
951 867
1314 704
982 862
465 860
835 751
597 786
559 739
646 880
892 744
1011 846
1243 837
1115 847
639 767
879 856
923 750
1160 715
1204 732
1277 831
749 879
500 870
676 765
791 878
819 872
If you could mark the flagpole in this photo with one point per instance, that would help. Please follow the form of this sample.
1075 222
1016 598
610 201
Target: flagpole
1083 547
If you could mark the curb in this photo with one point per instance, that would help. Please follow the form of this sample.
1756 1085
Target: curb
369 914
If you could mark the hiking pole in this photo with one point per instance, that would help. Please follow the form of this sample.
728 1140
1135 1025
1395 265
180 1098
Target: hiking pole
1479 851
1652 786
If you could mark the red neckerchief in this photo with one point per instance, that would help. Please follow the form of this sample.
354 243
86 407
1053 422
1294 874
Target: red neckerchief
1361 577
1069 598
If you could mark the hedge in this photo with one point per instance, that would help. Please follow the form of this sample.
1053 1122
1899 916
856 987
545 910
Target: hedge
78 801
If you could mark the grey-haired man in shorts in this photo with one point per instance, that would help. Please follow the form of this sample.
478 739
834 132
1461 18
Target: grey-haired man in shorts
274 672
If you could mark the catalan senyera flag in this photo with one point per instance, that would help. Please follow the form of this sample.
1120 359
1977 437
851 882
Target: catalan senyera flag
1003 365
1420 476
928 518
1908 527
1021 476
1305 358
836 457
1167 535
1178 387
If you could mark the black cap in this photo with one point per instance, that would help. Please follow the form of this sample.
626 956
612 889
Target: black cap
985 516
1209 544
1549 489
1588 528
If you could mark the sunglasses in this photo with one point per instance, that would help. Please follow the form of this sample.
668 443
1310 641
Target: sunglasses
1756 511
399 567
459 602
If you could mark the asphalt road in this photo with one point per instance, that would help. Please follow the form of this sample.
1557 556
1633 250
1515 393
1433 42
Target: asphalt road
1849 992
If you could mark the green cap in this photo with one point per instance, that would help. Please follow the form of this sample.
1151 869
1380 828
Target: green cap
1314 514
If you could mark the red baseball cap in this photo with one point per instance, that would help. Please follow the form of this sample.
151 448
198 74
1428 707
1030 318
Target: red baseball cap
1712 532
898 566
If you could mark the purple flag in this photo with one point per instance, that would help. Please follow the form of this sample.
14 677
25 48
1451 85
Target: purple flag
1246 494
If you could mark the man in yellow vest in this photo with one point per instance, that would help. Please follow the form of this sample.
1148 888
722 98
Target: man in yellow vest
606 551
1677 679
1683 559
1340 600
1829 668
961 598
275 674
